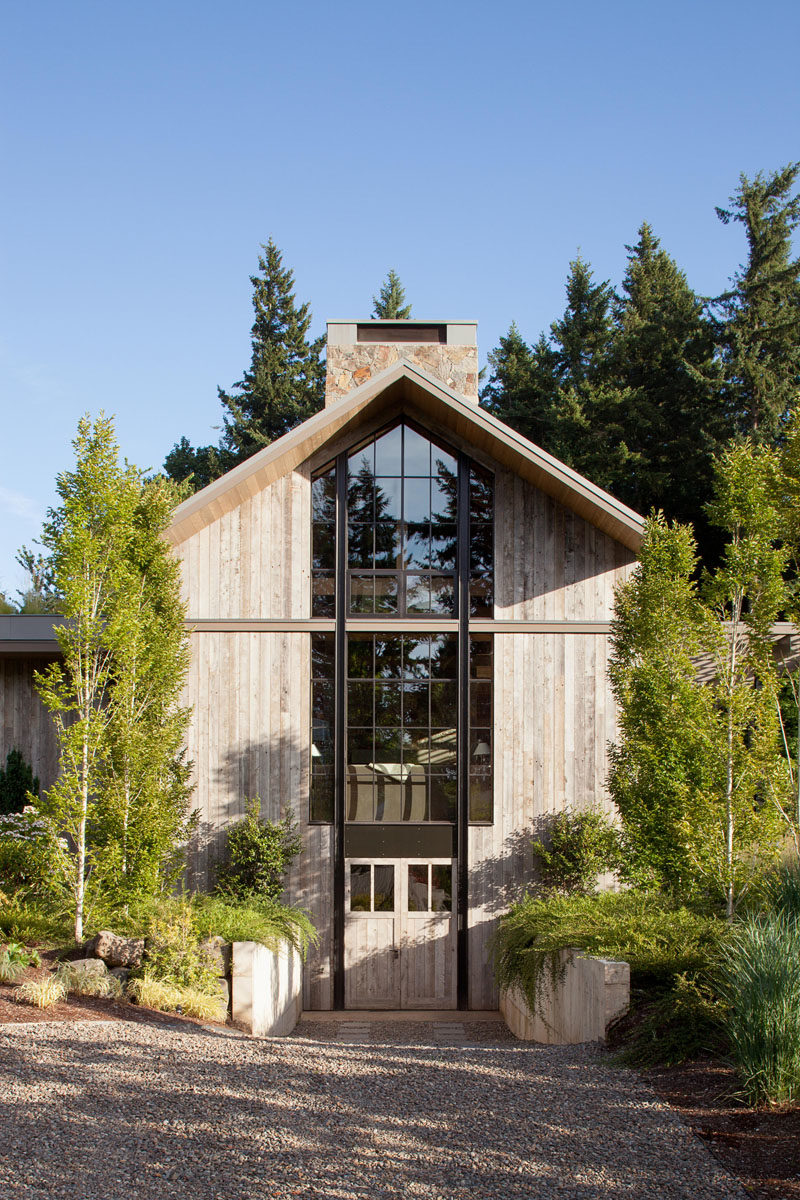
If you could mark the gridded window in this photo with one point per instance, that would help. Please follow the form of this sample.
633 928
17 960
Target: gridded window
323 661
323 544
481 674
402 705
402 532
481 542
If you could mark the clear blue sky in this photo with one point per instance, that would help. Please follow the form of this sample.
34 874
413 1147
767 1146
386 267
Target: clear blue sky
148 148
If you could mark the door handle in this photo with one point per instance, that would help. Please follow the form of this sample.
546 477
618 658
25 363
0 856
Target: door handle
395 952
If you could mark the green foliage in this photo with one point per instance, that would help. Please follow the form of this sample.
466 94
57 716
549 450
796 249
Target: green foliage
759 315
121 796
15 960
42 993
257 919
257 855
32 857
390 303
576 848
171 997
196 466
18 784
29 917
674 1023
173 951
759 983
783 890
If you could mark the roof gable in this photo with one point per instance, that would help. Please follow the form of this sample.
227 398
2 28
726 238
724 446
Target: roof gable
406 388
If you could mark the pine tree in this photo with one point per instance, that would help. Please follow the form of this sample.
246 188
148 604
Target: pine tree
581 338
284 385
390 303
761 314
662 363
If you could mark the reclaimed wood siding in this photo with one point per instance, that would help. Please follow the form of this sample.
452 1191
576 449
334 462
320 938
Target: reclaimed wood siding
249 736
25 723
254 561
554 717
551 565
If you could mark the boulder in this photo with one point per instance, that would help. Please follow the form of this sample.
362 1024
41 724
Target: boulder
87 966
120 973
117 951
218 953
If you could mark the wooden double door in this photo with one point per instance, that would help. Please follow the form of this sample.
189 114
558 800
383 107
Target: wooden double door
400 933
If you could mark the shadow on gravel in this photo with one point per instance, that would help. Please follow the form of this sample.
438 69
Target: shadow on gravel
210 1115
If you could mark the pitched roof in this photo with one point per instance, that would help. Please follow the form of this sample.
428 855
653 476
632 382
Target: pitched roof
405 387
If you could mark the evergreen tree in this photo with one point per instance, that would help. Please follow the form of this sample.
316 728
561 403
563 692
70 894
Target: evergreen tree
18 784
661 363
284 385
390 303
581 338
760 315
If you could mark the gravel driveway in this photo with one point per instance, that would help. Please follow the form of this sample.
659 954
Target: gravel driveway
113 1110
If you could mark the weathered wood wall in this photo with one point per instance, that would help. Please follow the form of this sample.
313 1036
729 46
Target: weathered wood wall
554 717
254 561
25 724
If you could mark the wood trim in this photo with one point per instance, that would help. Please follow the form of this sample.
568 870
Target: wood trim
367 624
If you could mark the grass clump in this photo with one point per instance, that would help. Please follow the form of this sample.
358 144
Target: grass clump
759 984
43 993
15 960
255 919
172 997
86 983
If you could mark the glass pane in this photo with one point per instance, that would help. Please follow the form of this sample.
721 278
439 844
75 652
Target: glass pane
359 704
360 794
442 594
361 495
444 705
362 593
388 453
418 888
323 594
361 460
359 545
480 656
480 795
444 796
321 793
388 751
443 748
416 747
359 746
481 495
418 593
384 889
322 718
323 655
323 496
418 545
443 498
417 500
387 499
385 593
416 656
480 747
388 654
323 546
441 888
416 454
481 549
480 703
387 546
443 463
360 887
444 656
415 704
387 704
481 598
444 544
359 656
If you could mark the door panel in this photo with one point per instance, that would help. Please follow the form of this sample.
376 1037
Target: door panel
404 958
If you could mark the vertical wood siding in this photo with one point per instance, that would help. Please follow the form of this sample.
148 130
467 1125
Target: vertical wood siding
24 721
554 717
254 561
249 737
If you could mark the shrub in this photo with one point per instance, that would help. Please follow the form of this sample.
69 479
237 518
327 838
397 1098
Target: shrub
257 919
575 848
257 855
173 951
43 993
759 983
29 851
14 961
17 784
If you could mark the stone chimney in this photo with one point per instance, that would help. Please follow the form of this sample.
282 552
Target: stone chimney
357 350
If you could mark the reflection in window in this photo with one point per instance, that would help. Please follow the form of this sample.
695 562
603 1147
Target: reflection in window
371 887
430 887
402 704
481 674
401 526
323 544
323 658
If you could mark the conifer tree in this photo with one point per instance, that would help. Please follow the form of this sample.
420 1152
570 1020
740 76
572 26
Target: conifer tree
284 385
390 303
581 338
761 314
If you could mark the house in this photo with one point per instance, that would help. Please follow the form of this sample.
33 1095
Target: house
399 620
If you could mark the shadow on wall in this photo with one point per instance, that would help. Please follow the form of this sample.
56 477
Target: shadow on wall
498 881
274 769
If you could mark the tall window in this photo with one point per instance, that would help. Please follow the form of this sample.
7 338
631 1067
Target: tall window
406 554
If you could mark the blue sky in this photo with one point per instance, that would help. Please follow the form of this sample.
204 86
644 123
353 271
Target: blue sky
148 149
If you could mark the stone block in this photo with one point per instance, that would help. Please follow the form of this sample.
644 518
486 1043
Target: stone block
267 989
218 953
587 995
116 951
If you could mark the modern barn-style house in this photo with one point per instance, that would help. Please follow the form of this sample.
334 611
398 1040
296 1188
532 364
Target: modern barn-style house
399 620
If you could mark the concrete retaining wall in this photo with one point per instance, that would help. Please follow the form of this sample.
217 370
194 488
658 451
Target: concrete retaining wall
586 998
266 989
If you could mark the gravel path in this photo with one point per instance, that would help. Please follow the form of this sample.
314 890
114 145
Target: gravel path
112 1110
